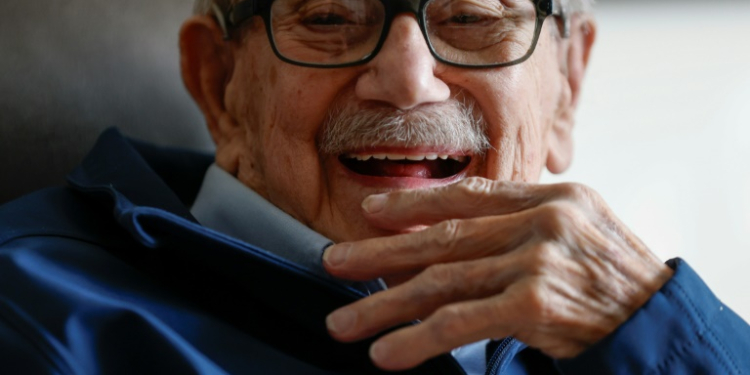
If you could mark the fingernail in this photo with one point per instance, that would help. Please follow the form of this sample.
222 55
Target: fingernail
336 255
341 321
374 203
379 352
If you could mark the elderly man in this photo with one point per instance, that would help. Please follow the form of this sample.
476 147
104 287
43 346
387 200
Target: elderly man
411 134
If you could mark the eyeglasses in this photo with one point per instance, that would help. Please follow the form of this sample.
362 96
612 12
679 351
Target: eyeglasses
339 33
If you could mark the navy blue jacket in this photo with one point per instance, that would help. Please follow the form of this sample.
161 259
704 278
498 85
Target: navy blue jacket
113 275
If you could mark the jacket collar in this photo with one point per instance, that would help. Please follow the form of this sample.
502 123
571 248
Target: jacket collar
139 174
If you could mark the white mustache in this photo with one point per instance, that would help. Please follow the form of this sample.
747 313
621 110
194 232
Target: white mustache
455 125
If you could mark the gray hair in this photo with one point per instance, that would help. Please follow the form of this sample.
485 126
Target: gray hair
454 125
204 6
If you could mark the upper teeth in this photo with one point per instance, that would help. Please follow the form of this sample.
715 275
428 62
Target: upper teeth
365 157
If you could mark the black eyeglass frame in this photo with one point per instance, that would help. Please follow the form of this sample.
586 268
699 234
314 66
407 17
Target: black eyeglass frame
241 12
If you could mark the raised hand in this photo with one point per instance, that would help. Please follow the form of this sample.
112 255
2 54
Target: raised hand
547 264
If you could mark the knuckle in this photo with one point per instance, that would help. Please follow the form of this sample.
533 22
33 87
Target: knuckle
580 194
475 185
450 322
474 188
440 284
441 277
538 306
575 192
542 258
449 236
556 217
535 296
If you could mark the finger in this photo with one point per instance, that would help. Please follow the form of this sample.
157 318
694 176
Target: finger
449 241
463 323
437 286
450 327
472 197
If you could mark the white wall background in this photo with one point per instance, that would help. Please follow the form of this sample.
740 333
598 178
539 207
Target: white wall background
663 133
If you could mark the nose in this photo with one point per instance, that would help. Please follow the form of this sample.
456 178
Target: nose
403 72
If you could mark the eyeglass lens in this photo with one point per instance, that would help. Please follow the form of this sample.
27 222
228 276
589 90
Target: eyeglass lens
468 32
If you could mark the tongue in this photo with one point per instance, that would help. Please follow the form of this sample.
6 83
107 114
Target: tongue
427 169
418 169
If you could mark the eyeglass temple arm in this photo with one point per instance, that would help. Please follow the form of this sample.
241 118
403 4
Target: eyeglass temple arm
221 18
235 15
560 10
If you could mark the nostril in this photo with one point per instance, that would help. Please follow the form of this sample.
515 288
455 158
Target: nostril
404 86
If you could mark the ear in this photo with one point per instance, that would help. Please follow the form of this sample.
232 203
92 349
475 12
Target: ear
575 57
207 63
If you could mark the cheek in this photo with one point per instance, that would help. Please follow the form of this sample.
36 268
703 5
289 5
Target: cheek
282 107
293 178
286 142
517 104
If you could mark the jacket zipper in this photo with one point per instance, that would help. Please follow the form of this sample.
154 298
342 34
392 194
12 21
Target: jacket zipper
494 363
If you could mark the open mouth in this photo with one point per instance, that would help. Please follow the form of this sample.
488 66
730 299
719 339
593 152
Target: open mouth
426 166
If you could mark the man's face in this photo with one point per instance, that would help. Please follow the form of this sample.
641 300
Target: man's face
276 116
